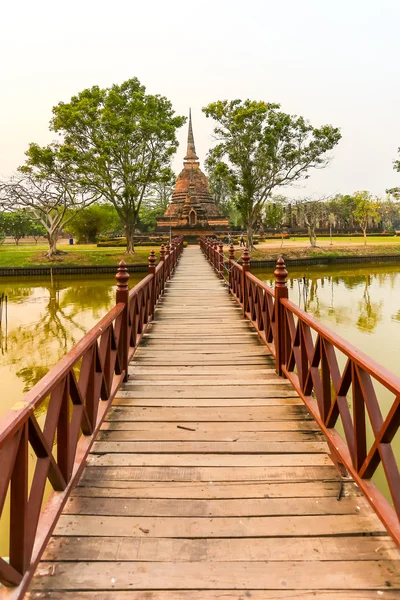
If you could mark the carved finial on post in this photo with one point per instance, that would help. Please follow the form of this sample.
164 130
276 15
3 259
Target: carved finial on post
168 249
280 273
122 277
162 253
122 295
246 259
152 261
281 293
231 252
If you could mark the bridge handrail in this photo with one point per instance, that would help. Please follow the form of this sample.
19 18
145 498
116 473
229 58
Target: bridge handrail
305 353
76 394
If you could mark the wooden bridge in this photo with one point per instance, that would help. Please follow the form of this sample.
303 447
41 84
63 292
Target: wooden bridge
210 475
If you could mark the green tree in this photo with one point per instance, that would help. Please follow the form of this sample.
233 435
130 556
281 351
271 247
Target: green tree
120 141
389 212
86 225
3 228
36 230
220 181
156 201
49 188
342 206
17 224
313 210
264 148
366 210
274 214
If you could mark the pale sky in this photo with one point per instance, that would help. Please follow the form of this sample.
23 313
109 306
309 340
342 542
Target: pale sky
331 61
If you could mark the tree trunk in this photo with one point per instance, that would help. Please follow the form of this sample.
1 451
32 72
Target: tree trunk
250 232
365 235
129 231
52 237
330 232
312 236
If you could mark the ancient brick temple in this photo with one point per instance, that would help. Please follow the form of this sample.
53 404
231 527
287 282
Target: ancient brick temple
192 211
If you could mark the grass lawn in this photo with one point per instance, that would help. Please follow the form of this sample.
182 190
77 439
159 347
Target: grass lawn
32 255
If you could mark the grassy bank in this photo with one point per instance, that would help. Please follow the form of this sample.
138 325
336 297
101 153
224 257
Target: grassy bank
34 256
341 246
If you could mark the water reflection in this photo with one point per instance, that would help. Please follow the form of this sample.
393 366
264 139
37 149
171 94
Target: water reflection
46 318
360 304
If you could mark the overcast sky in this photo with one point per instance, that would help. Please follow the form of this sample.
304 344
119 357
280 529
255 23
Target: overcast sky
331 61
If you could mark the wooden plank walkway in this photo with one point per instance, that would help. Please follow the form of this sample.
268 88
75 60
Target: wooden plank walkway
209 479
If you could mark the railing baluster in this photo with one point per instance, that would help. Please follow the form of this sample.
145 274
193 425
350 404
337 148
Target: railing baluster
19 555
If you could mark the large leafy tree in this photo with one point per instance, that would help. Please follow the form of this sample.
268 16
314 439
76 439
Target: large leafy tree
264 148
120 141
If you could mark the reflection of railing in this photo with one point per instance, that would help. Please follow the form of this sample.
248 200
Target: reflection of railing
309 355
77 392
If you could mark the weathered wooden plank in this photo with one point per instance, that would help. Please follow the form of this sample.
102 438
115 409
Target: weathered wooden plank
219 527
212 359
214 595
339 575
255 413
208 460
198 490
210 550
138 390
214 427
238 447
208 474
264 441
161 399
215 508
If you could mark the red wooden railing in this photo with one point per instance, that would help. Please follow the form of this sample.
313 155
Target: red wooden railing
75 395
339 384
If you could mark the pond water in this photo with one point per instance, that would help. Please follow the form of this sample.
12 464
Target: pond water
46 317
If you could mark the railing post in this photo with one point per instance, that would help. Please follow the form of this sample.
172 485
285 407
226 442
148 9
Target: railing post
152 271
221 260
168 260
215 256
122 295
245 269
162 260
281 292
231 257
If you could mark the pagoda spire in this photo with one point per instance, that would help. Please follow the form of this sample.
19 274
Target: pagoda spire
191 155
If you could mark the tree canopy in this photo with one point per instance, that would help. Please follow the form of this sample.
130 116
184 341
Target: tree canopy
263 149
120 141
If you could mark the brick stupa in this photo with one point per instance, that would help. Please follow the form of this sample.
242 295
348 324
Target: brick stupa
192 211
